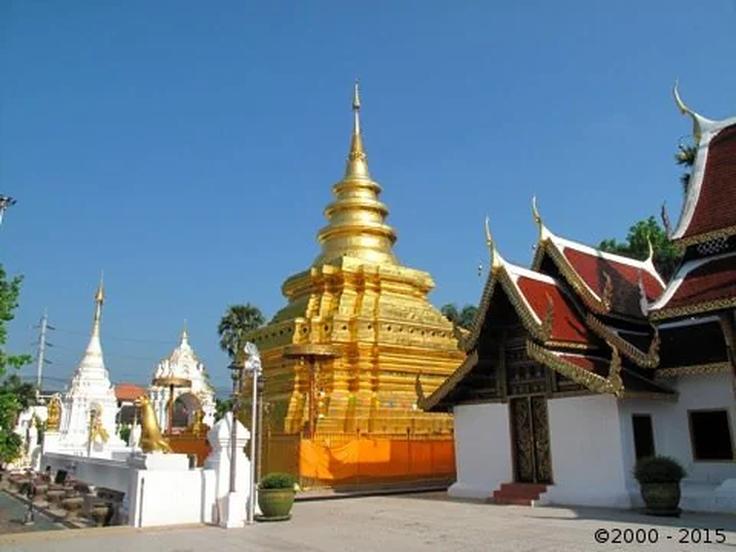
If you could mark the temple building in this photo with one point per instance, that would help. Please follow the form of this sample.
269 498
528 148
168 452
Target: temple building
89 406
183 376
357 339
586 361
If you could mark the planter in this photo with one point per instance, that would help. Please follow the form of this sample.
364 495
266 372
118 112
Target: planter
275 504
661 499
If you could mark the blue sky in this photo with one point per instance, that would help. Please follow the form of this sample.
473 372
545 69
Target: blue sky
188 148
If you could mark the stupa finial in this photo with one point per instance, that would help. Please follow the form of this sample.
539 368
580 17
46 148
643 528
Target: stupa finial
184 333
99 300
357 160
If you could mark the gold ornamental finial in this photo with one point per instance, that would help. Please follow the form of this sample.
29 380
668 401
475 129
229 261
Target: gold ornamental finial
496 259
356 107
100 294
99 300
357 166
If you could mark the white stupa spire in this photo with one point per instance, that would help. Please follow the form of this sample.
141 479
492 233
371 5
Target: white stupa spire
90 389
93 362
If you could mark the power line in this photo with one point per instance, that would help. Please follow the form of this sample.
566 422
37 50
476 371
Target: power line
115 338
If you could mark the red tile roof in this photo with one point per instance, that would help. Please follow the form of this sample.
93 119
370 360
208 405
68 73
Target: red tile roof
128 391
700 285
710 205
588 271
567 324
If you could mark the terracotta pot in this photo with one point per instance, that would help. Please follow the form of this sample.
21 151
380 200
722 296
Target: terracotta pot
276 503
661 499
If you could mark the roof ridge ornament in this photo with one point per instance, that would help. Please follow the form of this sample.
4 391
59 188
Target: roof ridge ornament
700 123
497 261
544 232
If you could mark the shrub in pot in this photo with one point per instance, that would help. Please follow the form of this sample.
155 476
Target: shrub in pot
659 478
276 496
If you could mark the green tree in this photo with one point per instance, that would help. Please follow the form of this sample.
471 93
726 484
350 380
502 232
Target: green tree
222 407
462 318
666 255
235 324
685 156
13 395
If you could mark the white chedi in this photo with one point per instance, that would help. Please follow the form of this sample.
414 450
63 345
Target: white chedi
183 363
90 394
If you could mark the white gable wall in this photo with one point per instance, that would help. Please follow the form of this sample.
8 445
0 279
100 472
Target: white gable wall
672 436
586 450
482 449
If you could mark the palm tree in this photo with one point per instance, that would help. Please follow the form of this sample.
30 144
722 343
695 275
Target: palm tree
236 323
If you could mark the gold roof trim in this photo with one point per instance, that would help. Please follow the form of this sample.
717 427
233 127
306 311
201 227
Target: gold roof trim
649 359
592 381
698 308
427 403
695 370
726 232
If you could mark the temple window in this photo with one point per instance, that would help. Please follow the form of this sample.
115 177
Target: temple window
643 435
710 435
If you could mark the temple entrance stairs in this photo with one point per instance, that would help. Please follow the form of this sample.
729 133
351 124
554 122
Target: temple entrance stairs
519 494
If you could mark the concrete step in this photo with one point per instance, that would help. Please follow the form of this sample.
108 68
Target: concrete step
521 494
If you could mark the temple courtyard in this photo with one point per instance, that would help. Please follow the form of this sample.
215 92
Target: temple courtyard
403 522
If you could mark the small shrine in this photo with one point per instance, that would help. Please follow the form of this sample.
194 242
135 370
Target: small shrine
89 406
184 377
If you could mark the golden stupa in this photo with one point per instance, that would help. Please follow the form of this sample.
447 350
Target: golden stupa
358 340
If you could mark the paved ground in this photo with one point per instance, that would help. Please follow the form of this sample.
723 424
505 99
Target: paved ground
12 513
397 523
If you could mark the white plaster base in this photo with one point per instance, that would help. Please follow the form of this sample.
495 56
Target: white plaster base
233 510
159 461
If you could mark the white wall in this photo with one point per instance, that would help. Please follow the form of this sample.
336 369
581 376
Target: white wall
482 450
160 497
586 450
672 434
99 472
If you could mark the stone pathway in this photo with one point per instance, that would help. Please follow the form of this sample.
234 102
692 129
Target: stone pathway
403 523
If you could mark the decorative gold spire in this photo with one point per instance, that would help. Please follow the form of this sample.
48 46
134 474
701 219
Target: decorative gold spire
497 261
357 226
357 166
99 300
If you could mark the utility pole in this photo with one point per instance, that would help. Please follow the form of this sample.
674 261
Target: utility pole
5 202
42 344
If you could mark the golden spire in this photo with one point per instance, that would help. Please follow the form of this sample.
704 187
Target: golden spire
99 300
357 166
357 219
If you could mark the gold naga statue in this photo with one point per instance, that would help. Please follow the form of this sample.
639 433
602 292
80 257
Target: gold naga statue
53 419
151 438
97 432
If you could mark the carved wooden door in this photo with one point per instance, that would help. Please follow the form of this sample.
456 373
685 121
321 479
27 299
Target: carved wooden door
530 440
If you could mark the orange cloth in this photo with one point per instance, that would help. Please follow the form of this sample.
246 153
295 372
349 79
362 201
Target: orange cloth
376 459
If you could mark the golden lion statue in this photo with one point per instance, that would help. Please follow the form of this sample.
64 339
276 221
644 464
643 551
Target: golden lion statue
151 438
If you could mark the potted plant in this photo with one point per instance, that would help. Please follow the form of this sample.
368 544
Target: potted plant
659 478
276 496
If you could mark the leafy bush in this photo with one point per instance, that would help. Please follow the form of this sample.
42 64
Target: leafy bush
658 469
277 481
124 432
